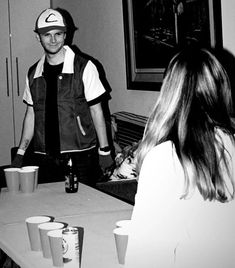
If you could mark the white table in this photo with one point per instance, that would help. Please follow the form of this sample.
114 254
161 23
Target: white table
51 199
90 209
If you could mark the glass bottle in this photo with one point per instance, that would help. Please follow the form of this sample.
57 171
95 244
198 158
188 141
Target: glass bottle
71 180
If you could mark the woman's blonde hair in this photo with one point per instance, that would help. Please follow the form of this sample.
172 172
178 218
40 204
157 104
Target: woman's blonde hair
195 99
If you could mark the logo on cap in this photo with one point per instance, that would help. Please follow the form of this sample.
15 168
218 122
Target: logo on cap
51 20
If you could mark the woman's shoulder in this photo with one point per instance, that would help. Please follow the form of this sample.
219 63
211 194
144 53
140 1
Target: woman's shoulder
163 150
162 157
164 160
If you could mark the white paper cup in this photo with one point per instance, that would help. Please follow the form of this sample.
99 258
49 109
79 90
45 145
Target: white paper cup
36 173
123 223
12 179
33 232
27 180
55 241
44 228
121 240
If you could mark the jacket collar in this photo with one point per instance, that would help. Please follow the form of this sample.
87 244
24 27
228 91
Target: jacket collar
68 66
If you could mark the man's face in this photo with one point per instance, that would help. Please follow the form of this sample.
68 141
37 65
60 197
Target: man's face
52 41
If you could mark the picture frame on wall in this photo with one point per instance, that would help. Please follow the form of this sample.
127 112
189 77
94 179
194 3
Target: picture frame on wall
154 30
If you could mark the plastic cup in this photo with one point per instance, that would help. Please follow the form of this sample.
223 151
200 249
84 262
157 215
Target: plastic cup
44 228
123 223
12 179
27 180
121 240
36 173
33 232
55 241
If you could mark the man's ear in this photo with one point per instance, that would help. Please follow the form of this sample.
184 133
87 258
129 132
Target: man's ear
38 37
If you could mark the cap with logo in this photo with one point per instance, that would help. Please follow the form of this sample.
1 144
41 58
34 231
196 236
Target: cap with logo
48 20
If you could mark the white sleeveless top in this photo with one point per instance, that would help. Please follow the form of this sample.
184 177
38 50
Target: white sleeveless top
171 232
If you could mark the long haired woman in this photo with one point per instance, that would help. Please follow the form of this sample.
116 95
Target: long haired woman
184 213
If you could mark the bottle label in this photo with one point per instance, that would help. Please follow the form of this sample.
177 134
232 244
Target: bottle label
75 180
67 183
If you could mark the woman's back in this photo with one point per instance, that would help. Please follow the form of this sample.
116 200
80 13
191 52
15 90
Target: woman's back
168 231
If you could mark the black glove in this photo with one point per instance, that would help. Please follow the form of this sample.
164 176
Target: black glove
17 161
106 163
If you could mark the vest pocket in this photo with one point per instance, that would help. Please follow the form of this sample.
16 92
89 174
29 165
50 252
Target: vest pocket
80 126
